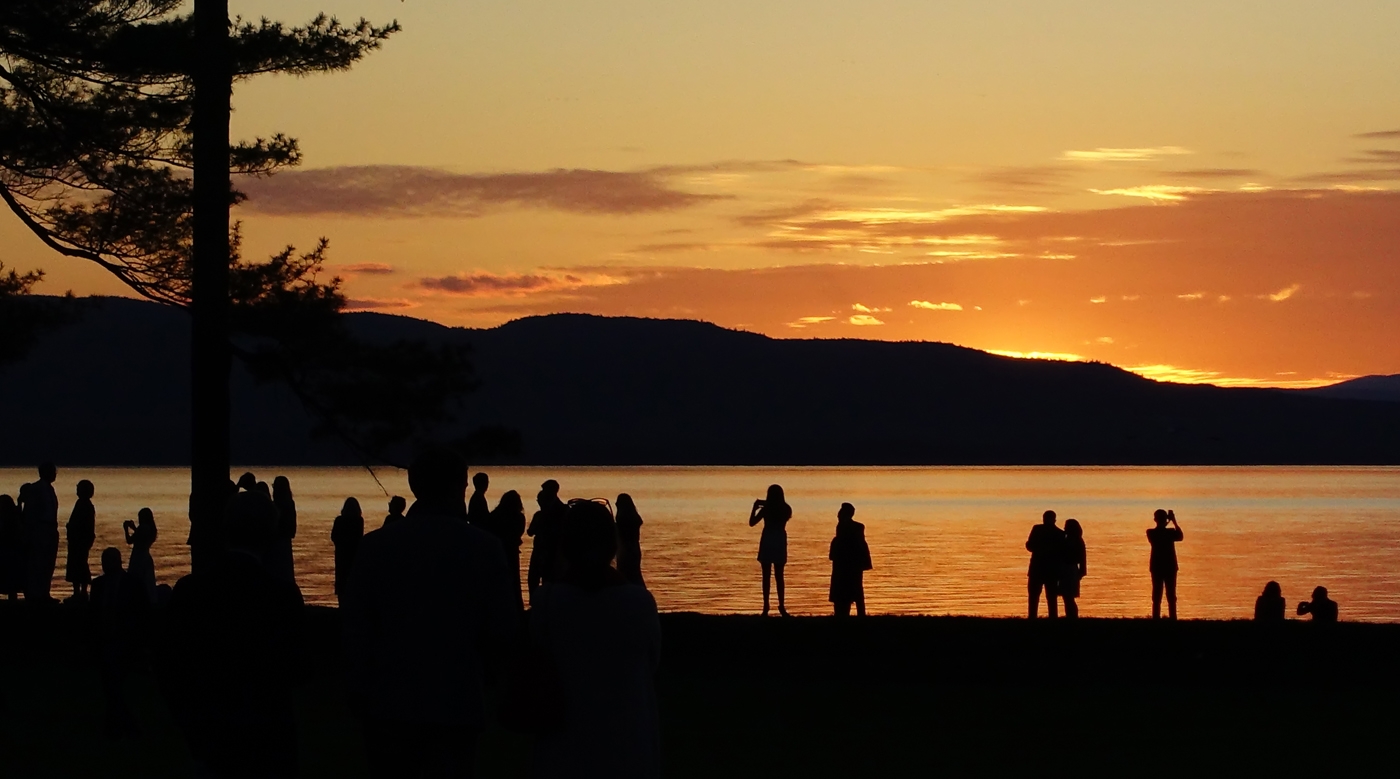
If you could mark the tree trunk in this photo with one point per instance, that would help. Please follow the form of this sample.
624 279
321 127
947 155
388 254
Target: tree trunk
210 356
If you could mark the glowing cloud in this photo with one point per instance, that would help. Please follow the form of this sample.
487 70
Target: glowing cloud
1156 192
1283 294
867 309
1060 356
864 320
1099 299
930 306
1191 296
809 320
1123 155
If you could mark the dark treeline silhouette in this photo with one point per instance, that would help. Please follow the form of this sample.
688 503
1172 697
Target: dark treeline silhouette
983 408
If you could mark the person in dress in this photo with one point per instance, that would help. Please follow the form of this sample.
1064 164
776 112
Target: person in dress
1074 566
280 561
141 567
507 524
602 640
850 559
1163 564
629 538
774 513
82 534
347 531
1321 607
1269 606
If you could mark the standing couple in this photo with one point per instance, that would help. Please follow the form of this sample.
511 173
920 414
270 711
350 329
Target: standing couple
1058 562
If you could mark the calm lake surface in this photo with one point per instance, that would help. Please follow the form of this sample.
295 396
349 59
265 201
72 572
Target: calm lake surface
944 540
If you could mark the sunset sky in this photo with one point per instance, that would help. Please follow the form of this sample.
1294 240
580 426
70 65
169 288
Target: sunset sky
1197 191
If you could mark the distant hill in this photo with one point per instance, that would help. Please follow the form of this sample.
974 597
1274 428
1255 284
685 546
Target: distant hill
111 388
1386 388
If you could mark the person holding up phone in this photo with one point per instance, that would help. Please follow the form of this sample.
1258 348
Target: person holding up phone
1163 563
774 513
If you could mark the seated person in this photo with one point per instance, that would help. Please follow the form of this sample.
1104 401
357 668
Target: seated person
1269 607
1321 607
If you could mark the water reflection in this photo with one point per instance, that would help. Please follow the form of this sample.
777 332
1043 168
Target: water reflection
944 540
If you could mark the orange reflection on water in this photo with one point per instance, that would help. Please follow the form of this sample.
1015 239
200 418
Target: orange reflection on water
944 540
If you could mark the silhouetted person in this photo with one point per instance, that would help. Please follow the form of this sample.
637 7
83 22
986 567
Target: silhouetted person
347 531
1046 545
142 536
602 639
82 534
1163 563
850 559
12 565
119 610
247 482
1074 565
1321 607
508 525
39 505
629 540
774 513
262 489
478 511
397 505
429 611
234 638
1269 606
545 527
280 561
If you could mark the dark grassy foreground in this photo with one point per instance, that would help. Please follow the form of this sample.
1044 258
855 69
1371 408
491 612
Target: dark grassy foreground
893 696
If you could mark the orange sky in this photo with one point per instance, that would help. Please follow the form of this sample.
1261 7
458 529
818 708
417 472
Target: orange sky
1190 191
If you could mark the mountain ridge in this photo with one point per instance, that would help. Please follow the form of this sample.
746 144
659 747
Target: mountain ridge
110 388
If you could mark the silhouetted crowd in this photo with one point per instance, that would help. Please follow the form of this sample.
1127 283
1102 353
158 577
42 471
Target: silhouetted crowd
434 618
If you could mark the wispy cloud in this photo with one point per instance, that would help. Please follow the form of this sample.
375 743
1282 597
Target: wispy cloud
868 309
1380 134
1034 178
806 321
931 306
1179 375
376 304
513 284
398 190
368 269
1157 192
1123 155
864 320
1191 296
1283 294
1213 173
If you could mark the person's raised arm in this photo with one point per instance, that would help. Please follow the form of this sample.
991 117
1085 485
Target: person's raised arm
756 513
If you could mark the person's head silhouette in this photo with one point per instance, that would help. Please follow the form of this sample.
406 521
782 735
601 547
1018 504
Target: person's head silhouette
1048 518
775 495
481 481
1160 517
550 489
1319 593
1273 590
86 490
397 504
438 479
589 542
250 522
1072 529
847 513
351 508
111 561
625 504
247 482
512 502
48 472
281 488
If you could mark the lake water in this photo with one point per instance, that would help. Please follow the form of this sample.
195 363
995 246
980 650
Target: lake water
944 540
